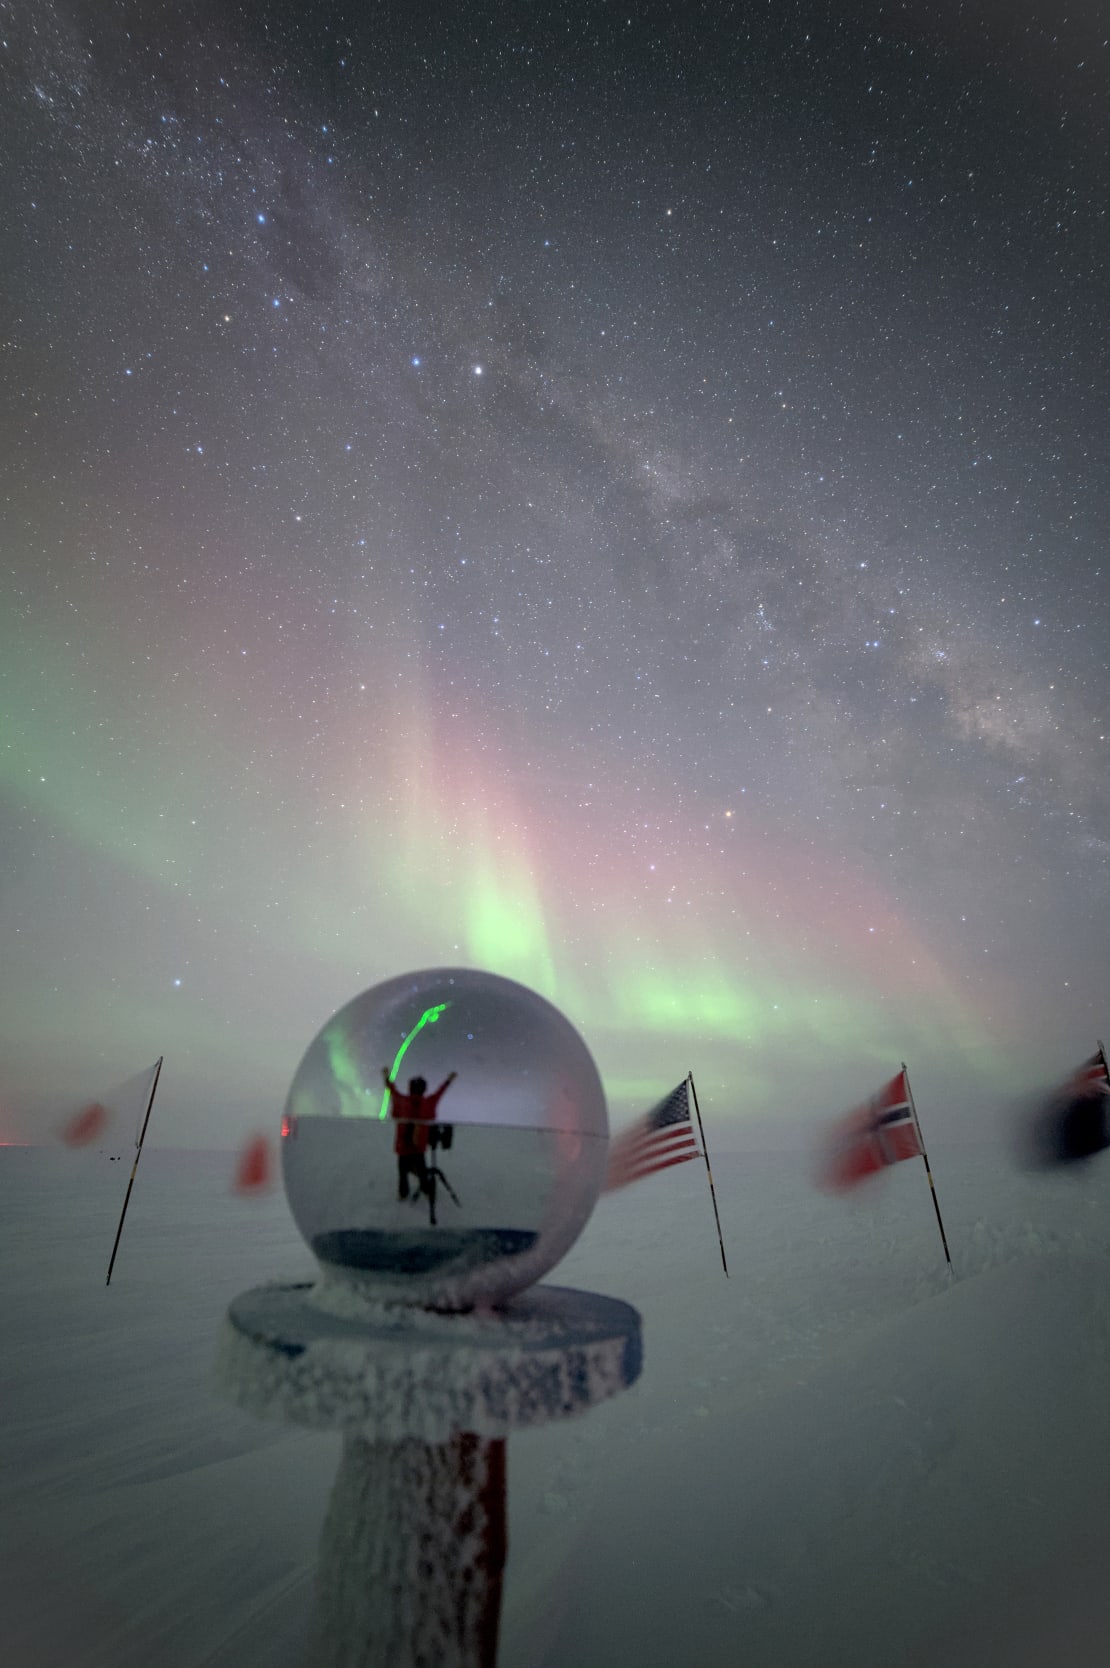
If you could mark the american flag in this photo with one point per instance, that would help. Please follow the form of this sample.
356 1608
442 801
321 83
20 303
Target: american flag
662 1137
881 1132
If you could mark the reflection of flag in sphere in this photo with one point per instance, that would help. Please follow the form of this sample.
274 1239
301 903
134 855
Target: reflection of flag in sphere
85 1126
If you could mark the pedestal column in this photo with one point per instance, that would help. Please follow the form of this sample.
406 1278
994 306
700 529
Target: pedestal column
414 1542
412 1554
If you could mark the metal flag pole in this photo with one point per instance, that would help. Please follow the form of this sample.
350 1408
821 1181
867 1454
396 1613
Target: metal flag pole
135 1166
708 1171
928 1172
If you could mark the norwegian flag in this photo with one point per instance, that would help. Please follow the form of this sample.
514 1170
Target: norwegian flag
662 1137
882 1132
1074 1123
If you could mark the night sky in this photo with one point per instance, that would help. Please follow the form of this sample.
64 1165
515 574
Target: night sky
614 496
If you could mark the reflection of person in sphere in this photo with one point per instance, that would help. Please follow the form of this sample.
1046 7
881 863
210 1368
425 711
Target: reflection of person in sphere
413 1112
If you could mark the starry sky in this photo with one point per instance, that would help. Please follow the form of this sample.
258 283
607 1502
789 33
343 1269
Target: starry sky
614 496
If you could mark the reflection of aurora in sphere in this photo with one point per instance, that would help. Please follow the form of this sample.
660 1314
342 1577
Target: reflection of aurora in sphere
484 1190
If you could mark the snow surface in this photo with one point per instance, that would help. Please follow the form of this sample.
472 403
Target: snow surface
836 1456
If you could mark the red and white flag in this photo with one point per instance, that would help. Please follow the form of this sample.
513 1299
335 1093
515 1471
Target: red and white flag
254 1171
1074 1122
883 1131
662 1137
1091 1078
116 1113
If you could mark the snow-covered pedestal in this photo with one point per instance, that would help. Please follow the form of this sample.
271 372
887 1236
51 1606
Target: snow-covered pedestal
413 1545
426 1341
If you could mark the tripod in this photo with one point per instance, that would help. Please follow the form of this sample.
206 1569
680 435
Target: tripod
434 1173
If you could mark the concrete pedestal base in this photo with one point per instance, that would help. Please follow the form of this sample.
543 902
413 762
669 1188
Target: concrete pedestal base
414 1541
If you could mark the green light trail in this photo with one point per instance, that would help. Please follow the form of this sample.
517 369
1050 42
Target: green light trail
428 1017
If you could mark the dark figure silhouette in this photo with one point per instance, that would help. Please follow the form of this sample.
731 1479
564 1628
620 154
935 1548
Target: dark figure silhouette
413 1113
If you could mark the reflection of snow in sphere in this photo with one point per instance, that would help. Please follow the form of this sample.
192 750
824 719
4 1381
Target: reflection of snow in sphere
452 1199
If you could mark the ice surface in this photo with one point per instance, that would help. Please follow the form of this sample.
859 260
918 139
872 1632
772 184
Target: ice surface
835 1456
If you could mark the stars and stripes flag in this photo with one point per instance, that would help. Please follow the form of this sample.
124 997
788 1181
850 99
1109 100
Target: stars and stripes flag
662 1137
883 1131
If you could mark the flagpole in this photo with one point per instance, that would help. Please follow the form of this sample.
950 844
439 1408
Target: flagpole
134 1167
928 1172
708 1171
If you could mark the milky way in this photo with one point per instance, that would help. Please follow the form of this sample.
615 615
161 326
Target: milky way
617 498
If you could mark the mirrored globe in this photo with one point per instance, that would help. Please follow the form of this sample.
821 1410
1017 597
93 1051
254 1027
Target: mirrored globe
444 1140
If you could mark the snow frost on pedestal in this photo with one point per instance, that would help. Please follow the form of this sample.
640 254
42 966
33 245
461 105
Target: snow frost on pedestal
400 1372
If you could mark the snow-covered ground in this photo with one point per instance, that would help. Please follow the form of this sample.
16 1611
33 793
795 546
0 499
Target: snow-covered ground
835 1456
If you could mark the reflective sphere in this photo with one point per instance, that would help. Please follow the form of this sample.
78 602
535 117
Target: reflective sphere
470 1177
